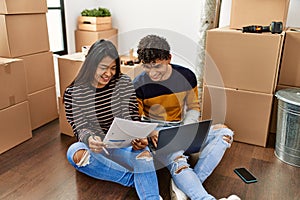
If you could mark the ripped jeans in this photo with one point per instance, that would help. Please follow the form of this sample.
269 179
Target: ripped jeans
125 166
189 180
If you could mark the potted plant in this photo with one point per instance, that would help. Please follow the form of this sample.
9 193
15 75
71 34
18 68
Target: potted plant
96 19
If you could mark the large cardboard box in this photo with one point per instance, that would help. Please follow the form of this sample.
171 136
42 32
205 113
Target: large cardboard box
290 65
15 126
39 71
23 34
68 67
23 6
43 107
245 61
94 23
87 38
65 127
246 113
258 12
12 82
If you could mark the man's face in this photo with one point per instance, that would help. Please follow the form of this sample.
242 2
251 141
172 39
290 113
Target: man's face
159 70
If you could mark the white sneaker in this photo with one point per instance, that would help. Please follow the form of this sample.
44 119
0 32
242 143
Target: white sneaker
176 193
231 197
160 198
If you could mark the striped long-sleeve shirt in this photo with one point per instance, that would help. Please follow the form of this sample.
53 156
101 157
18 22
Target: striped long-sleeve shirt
91 110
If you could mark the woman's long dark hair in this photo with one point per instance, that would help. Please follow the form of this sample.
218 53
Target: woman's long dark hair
99 50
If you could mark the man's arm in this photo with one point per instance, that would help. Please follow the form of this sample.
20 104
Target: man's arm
192 107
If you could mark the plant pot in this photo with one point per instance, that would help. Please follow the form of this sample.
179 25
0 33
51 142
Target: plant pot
94 23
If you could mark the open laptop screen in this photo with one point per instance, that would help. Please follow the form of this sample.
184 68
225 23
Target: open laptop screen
189 138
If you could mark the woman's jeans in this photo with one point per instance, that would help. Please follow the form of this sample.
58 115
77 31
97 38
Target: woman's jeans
190 180
125 166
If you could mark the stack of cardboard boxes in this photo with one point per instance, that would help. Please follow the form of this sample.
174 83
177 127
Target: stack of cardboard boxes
289 75
27 71
242 69
90 29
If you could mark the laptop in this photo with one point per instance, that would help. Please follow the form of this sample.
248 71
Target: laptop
189 138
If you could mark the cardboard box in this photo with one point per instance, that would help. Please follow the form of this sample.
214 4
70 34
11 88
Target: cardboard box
39 71
12 82
68 67
87 38
132 71
23 6
22 35
43 107
245 61
258 12
290 65
94 23
246 113
15 126
65 127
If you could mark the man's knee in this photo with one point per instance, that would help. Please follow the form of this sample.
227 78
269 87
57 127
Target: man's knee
181 163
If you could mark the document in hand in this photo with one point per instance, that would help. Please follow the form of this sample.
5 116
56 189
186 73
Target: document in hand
122 131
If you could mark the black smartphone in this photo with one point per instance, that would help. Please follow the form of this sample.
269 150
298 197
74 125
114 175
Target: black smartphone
245 175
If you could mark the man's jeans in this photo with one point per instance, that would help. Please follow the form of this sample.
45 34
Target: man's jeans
190 180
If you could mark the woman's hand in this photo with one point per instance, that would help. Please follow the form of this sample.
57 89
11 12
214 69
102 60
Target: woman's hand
138 144
95 143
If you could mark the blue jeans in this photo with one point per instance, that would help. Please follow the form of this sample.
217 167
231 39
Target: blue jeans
189 180
124 166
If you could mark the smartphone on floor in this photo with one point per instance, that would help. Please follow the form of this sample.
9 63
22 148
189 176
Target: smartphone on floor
245 175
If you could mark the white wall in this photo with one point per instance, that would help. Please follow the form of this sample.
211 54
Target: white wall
178 21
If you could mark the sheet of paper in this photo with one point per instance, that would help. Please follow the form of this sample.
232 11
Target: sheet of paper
122 131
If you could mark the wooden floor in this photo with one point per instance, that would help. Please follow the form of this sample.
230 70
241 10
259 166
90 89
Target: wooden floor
37 169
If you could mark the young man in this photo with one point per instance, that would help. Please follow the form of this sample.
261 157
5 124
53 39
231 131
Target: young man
168 93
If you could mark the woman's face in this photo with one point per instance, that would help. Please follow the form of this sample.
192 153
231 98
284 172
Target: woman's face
105 71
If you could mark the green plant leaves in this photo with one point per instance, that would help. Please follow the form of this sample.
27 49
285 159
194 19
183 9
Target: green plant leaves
96 12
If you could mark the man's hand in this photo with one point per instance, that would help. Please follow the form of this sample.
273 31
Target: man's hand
154 137
138 144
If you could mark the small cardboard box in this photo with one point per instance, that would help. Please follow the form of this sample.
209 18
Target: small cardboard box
39 71
87 38
65 127
23 6
23 34
43 107
15 126
258 12
245 61
94 23
290 64
12 82
246 113
132 71
68 67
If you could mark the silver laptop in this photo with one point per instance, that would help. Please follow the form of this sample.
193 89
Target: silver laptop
189 138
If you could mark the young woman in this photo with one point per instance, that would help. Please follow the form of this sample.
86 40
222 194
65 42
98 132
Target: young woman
99 93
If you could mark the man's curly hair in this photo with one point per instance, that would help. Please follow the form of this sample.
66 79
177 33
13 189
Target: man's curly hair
153 47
